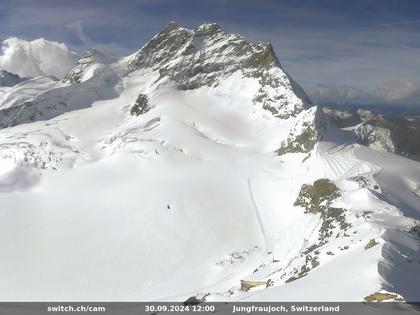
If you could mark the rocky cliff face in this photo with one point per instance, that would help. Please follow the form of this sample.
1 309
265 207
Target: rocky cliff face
309 127
89 58
206 56
376 137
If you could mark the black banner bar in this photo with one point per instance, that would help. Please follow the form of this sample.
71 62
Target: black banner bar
153 308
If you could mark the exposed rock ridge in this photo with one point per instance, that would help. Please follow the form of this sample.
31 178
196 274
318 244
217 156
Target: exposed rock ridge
8 79
207 55
88 58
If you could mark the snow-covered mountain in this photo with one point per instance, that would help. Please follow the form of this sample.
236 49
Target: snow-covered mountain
392 133
196 167
8 79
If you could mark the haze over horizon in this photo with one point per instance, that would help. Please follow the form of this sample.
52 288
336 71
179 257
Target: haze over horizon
339 52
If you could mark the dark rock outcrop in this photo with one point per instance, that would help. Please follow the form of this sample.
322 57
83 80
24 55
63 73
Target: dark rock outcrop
9 79
141 106
317 197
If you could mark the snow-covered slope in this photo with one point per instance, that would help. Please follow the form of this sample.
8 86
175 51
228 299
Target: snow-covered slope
191 165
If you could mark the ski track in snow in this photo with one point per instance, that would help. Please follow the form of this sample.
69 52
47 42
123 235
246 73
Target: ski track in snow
267 242
343 163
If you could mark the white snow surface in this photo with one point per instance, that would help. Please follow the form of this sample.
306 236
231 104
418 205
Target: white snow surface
190 198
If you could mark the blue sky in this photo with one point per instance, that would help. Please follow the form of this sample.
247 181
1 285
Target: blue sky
367 51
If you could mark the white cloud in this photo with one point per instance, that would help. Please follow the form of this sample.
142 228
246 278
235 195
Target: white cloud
36 58
77 27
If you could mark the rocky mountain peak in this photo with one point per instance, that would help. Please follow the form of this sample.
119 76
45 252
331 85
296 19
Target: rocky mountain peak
208 29
8 79
171 26
207 55
93 54
89 58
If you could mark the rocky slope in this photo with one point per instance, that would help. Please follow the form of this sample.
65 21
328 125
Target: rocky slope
206 56
9 79
395 134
